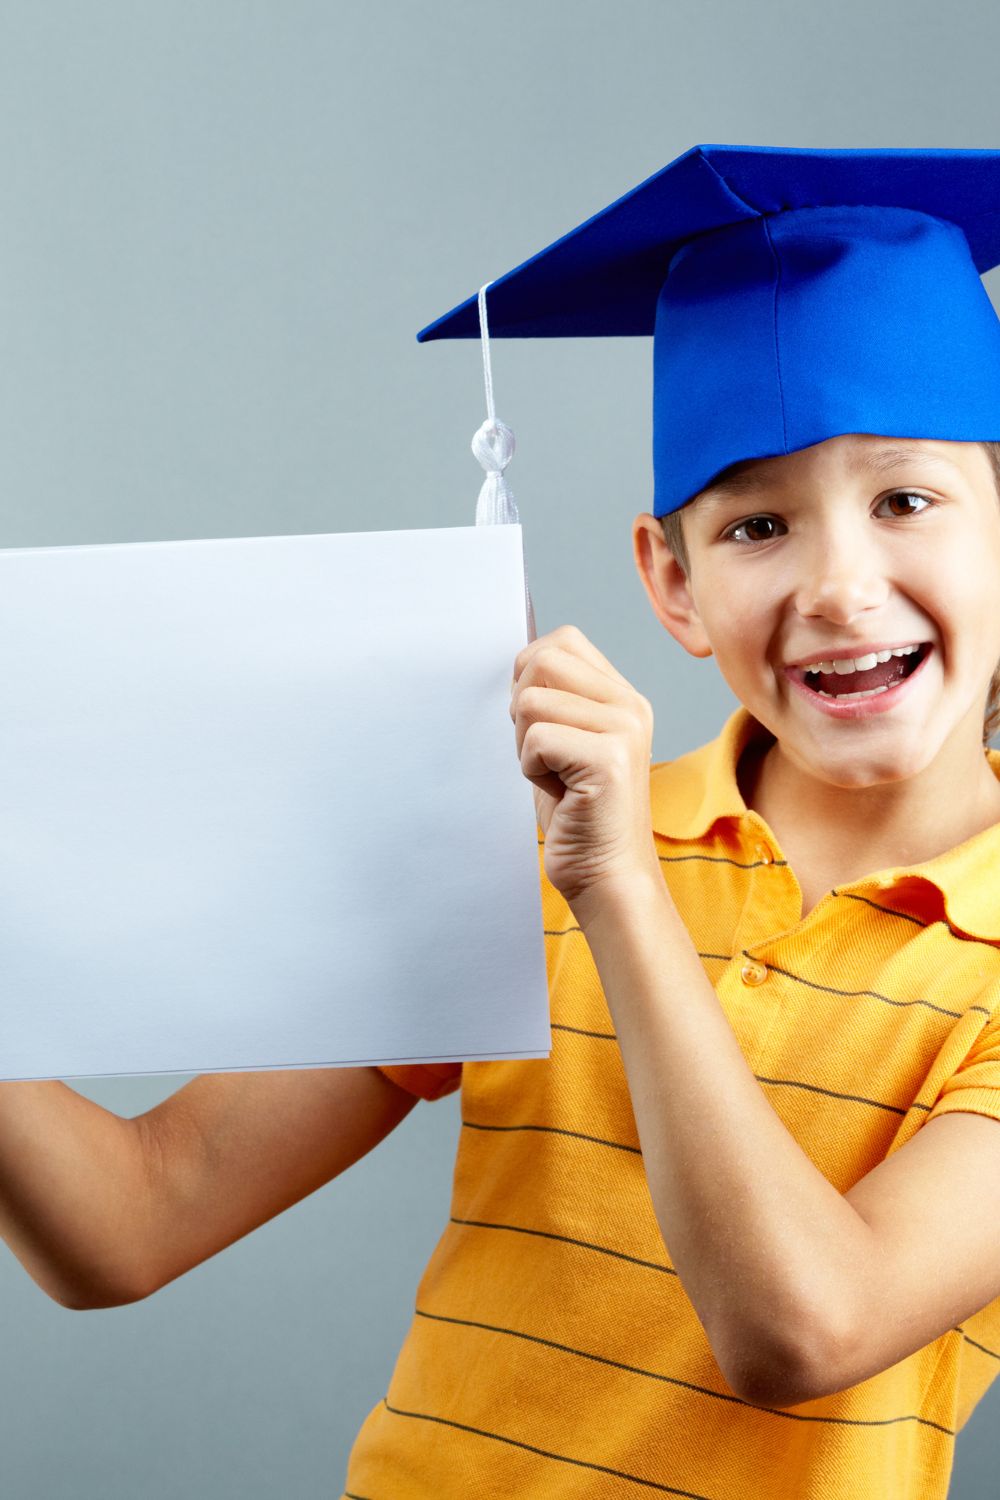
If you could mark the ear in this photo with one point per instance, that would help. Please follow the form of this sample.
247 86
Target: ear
668 589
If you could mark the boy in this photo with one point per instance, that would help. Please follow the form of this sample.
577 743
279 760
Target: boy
736 1235
821 1275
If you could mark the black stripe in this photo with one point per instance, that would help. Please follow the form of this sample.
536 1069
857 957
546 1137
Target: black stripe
350 1495
546 1234
715 859
700 1390
829 989
935 921
814 1088
604 1036
720 859
955 932
580 1463
555 1130
975 1344
889 910
813 985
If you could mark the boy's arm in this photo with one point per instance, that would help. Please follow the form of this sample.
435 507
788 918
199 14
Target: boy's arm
802 1291
102 1210
229 1151
71 1173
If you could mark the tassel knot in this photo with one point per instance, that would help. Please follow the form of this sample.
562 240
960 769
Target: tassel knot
493 446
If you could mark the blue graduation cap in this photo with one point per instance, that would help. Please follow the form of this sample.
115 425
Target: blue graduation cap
792 295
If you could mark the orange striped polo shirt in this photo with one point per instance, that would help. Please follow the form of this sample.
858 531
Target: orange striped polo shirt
553 1351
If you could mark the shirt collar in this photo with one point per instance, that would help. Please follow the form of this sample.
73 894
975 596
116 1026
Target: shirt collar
688 795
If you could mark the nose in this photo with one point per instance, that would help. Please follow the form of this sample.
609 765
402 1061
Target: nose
841 574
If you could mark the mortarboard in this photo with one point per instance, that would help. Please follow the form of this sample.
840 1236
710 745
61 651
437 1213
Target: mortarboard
793 295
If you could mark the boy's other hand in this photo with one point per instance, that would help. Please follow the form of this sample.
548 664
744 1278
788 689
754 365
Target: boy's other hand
584 737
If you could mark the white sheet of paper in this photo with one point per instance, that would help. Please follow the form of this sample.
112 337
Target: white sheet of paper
260 805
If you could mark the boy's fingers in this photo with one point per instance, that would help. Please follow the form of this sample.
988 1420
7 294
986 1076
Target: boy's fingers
572 640
571 710
574 674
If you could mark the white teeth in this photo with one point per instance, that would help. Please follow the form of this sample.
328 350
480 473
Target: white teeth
846 697
859 664
846 665
855 664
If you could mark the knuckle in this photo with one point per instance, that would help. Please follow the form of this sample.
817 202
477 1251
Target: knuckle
645 710
571 634
619 759
630 720
531 734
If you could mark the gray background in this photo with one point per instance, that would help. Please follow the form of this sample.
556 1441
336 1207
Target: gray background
220 227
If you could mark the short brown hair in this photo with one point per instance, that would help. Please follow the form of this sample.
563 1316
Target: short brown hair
674 538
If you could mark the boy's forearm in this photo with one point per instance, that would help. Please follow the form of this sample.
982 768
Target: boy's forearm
72 1189
764 1245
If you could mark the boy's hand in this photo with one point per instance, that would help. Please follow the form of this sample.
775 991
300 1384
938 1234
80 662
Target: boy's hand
584 737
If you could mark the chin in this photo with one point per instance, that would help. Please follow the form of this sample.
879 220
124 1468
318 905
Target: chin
854 771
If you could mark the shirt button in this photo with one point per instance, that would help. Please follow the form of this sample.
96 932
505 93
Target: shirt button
764 855
753 973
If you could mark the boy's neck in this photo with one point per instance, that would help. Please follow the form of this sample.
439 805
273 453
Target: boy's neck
831 835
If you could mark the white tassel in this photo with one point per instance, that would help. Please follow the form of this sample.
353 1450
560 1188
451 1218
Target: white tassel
493 446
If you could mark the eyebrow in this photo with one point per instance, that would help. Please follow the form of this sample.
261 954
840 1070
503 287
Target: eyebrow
742 478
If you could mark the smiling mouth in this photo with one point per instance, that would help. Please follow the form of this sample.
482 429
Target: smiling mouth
878 679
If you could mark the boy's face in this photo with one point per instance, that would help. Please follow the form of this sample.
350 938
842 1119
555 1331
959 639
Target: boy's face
825 553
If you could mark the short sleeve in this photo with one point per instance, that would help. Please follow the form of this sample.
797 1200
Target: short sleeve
426 1080
975 1084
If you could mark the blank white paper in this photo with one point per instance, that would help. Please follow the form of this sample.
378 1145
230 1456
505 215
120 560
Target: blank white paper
261 806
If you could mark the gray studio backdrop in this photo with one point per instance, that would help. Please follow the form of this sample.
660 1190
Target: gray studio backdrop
220 228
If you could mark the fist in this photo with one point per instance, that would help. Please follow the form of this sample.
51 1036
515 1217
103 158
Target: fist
584 737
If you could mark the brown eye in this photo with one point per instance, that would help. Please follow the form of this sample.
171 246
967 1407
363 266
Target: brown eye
751 521
908 495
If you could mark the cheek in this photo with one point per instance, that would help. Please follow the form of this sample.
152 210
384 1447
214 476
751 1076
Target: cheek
960 586
740 618
748 623
957 588
742 640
